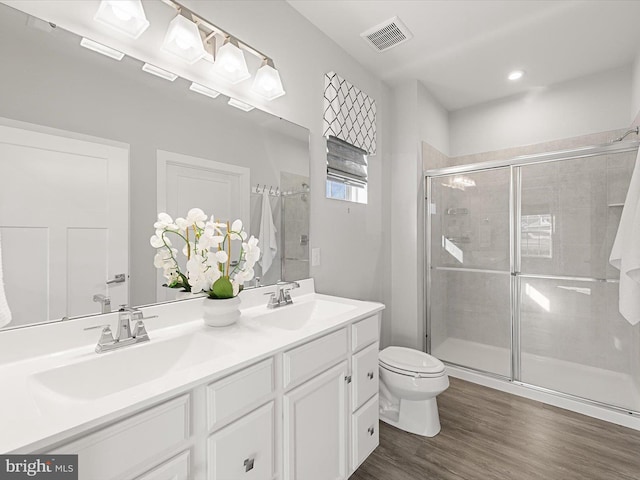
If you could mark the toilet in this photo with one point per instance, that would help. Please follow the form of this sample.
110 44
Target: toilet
410 380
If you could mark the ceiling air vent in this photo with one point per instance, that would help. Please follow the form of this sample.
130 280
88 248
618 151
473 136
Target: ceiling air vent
388 34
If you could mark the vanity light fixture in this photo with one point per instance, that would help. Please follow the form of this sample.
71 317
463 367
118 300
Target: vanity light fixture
125 16
267 83
191 38
183 39
230 63
201 89
103 49
159 72
515 75
241 105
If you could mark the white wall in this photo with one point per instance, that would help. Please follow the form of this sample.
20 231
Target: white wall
416 116
635 90
583 106
433 121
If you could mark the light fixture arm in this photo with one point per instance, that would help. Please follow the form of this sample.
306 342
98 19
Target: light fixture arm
211 29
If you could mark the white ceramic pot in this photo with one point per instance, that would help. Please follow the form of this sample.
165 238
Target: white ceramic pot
221 312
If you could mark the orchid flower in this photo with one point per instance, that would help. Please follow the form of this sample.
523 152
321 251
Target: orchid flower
207 245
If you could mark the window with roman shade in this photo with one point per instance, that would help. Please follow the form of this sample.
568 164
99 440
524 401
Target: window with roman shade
350 129
346 163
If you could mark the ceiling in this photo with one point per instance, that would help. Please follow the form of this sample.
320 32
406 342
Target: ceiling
463 50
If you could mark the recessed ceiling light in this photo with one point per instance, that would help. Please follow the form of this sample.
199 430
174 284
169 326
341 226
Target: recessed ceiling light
516 75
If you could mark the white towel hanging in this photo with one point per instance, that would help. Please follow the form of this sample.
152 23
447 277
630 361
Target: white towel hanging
267 240
625 254
5 313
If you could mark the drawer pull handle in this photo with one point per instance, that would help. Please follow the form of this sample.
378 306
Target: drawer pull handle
248 464
370 375
371 430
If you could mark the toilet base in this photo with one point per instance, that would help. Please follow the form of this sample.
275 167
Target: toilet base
419 417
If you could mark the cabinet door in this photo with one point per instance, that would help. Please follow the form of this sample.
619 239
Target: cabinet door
244 449
315 428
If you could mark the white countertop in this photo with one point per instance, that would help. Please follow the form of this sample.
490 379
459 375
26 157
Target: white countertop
30 421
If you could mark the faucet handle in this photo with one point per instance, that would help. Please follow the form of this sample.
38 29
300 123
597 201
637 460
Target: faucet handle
273 298
139 330
106 336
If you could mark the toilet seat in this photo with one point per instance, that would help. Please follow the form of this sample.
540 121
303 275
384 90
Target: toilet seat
410 362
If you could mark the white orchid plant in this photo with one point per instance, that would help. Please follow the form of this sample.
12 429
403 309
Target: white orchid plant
207 248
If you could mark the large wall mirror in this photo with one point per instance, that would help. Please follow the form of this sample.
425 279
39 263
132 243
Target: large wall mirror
91 149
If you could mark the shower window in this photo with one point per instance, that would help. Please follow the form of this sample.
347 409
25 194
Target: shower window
536 233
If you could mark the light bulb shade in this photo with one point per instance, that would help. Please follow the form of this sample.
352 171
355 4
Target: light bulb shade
125 16
230 63
183 40
267 83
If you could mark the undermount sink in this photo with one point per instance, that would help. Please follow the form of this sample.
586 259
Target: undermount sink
113 372
298 315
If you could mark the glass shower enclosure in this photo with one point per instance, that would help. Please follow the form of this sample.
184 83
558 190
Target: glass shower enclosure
518 281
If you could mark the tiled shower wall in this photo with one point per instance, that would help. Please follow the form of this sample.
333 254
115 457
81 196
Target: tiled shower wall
295 214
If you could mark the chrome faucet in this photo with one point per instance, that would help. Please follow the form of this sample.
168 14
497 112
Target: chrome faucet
124 335
282 295
104 301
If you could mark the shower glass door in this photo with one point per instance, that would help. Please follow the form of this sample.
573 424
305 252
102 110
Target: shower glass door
469 294
571 337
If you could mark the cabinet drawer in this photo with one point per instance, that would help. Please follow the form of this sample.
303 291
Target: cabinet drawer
314 357
143 439
365 375
238 393
365 432
175 469
365 332
244 449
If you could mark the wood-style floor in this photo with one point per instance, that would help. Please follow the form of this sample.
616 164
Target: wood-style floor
491 435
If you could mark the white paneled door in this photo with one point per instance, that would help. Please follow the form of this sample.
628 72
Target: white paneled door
186 182
64 222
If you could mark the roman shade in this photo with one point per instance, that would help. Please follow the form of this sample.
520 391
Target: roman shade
346 163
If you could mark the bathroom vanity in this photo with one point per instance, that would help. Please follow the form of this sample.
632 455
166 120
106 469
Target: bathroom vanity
287 393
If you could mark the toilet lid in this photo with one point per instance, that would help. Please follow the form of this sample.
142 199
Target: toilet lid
410 360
